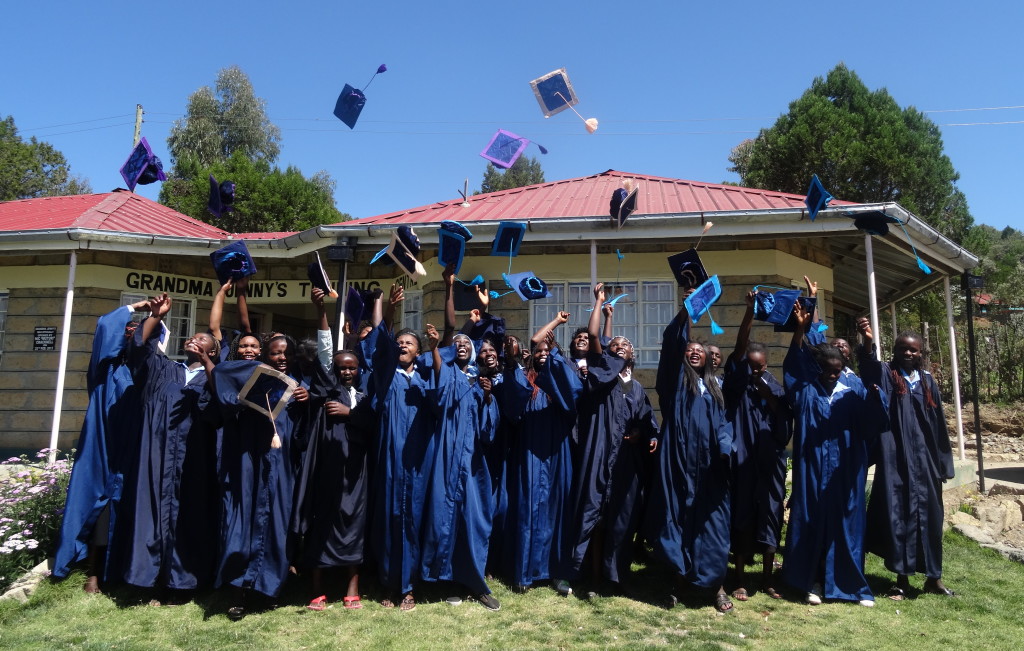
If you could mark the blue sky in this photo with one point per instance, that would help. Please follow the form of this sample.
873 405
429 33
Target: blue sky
675 85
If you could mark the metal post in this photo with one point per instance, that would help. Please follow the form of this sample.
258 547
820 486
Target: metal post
138 124
342 298
62 367
593 263
972 354
955 363
872 295
892 313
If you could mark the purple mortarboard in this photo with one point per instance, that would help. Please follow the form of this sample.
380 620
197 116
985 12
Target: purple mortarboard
267 390
505 148
808 304
404 248
623 204
352 100
700 301
877 222
817 197
687 269
233 261
508 238
527 285
318 277
774 307
142 167
222 197
554 93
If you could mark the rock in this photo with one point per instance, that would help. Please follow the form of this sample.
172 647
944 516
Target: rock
1011 553
27 583
1003 489
998 517
975 533
961 517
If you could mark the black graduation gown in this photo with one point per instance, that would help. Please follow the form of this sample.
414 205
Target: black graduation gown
912 459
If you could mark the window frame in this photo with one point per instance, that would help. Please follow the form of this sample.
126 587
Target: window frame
185 325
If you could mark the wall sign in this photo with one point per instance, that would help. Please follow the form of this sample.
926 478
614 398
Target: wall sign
45 338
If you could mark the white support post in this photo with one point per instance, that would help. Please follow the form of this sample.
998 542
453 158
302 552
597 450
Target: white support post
954 362
872 295
62 366
339 341
593 263
892 313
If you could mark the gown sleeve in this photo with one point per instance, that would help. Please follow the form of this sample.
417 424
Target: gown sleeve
559 380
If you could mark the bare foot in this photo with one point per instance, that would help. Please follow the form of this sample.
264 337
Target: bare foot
92 585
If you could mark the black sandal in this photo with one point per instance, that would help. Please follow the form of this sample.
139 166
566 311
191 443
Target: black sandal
722 603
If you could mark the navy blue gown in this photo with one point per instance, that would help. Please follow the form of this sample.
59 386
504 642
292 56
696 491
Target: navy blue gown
760 435
106 445
831 439
457 521
257 484
609 471
687 518
912 459
538 467
168 496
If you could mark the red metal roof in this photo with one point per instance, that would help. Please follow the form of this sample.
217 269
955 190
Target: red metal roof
589 196
119 210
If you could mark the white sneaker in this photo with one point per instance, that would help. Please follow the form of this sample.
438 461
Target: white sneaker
814 596
867 603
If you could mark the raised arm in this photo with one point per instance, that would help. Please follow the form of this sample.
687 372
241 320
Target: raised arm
608 310
547 331
449 304
812 291
217 309
159 306
241 291
743 336
803 319
394 299
595 320
325 339
433 338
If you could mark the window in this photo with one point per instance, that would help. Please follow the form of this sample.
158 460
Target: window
180 321
4 296
641 316
412 312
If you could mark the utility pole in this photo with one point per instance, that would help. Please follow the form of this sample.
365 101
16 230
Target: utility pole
138 124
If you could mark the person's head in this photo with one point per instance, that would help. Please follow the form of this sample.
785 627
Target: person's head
908 352
696 355
409 346
622 347
247 347
306 356
757 359
539 354
831 363
201 340
514 353
714 356
844 348
464 350
279 353
487 359
580 343
346 367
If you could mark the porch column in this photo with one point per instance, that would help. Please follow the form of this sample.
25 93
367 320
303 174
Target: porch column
872 295
62 367
956 369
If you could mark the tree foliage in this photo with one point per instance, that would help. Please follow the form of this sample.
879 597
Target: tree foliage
31 169
863 146
525 171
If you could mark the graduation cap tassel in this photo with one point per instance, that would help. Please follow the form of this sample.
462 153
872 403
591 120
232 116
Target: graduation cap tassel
275 442
591 123
707 227
715 328
381 69
920 263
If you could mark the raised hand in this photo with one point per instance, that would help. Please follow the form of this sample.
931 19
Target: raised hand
160 305
812 287
483 296
317 297
608 310
563 317
449 275
475 316
864 328
599 293
397 295
433 336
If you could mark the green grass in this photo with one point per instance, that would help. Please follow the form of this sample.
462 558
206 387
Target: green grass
987 614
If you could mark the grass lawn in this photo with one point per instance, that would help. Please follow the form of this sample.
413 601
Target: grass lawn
988 614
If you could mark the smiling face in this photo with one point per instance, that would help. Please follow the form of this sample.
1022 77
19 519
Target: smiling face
279 355
580 344
715 354
248 347
195 342
408 348
346 365
621 347
907 353
696 355
487 360
540 354
463 349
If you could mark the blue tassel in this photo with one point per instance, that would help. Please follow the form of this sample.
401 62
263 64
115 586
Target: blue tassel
715 328
923 267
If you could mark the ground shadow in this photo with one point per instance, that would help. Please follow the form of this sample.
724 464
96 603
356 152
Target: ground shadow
1012 474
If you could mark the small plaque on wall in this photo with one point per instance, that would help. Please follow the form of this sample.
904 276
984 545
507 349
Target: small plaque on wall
45 338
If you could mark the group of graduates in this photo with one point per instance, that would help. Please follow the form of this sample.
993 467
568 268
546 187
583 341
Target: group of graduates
463 454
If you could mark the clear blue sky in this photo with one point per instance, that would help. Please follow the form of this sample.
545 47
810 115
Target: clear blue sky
674 86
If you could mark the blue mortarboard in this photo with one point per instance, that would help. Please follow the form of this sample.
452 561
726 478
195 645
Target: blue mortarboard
527 285
505 148
774 307
222 197
318 277
457 229
359 305
233 261
622 205
142 167
554 93
267 390
451 248
877 222
688 269
808 304
404 248
700 301
817 197
352 100
508 238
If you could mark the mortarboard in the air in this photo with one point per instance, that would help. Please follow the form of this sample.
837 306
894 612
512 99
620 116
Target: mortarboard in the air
267 390
352 100
808 304
527 285
817 197
222 197
623 203
142 167
404 248
233 261
318 277
508 238
687 269
505 148
700 301
359 305
877 222
774 307
451 248
554 93
457 228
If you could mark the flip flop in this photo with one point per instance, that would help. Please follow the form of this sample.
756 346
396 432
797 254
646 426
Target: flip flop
896 594
387 603
773 593
408 604
352 603
740 594
320 603
722 603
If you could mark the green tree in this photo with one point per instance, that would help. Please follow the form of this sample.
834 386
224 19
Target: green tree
863 147
525 171
30 169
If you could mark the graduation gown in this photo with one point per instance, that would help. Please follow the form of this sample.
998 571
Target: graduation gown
457 521
402 463
330 491
538 467
105 446
912 459
609 471
687 518
168 495
257 485
760 435
831 438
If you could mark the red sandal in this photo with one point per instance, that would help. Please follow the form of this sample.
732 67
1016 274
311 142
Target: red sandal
352 603
320 603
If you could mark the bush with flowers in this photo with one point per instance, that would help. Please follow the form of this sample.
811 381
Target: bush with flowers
31 507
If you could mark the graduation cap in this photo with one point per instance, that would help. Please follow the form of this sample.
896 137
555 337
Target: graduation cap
404 248
876 222
623 203
526 284
817 197
700 301
554 93
774 307
808 304
508 238
318 277
359 305
142 167
222 197
233 261
505 148
267 391
352 100
451 248
688 269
